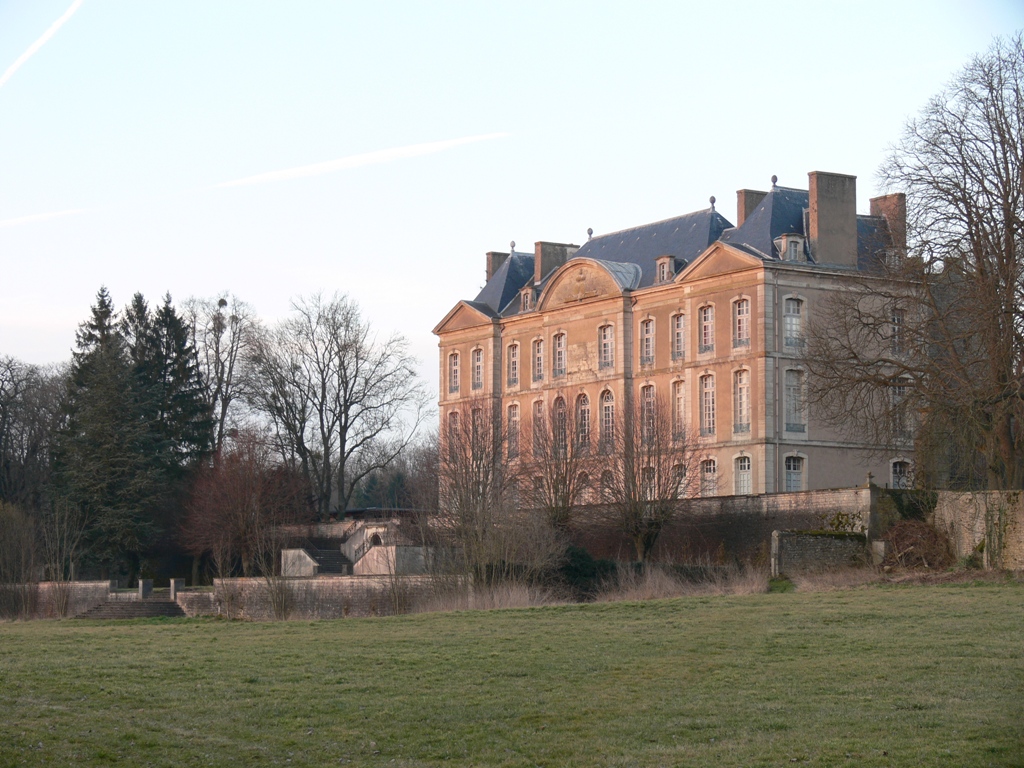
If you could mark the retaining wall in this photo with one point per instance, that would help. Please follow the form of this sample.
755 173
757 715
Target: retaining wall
989 522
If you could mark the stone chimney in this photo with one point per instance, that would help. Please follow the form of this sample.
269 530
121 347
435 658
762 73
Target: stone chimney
494 262
746 201
550 256
893 208
832 218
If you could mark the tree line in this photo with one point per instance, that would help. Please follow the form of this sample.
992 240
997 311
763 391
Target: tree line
179 432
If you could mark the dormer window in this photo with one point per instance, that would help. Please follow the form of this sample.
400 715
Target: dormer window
791 247
526 300
665 266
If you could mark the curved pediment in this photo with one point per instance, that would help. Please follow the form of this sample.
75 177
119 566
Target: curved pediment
580 280
718 259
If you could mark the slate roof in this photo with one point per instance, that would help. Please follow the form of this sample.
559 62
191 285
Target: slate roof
515 272
873 238
781 212
685 237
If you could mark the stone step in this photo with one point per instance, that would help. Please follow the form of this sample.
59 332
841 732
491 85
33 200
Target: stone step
133 609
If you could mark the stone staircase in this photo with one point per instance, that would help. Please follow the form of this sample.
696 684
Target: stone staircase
331 561
133 609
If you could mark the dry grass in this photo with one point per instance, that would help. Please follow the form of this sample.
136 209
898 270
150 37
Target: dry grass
656 582
466 598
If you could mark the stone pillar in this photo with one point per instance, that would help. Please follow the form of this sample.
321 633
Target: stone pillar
176 586
145 588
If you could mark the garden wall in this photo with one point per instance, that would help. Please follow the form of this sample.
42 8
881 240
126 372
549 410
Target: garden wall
796 552
989 523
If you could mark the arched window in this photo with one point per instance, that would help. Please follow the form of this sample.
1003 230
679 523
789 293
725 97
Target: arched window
606 346
538 428
583 490
901 474
679 410
375 540
648 483
538 360
709 477
647 342
559 428
741 475
707 404
794 473
647 414
607 421
707 329
558 355
607 485
583 423
796 421
453 372
513 430
478 433
512 362
478 368
678 337
792 324
741 323
741 401
678 480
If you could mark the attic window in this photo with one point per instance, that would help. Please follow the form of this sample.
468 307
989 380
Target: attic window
665 269
791 247
525 300
792 250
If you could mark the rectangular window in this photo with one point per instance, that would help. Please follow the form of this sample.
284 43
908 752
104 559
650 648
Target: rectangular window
647 415
794 473
896 332
795 420
708 478
741 402
606 341
538 428
707 405
607 422
707 329
741 323
558 363
647 342
513 365
478 369
792 324
678 337
743 484
538 360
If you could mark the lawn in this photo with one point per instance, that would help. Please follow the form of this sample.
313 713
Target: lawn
876 676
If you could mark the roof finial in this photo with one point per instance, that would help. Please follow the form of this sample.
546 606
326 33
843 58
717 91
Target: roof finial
775 180
512 246
590 232
712 201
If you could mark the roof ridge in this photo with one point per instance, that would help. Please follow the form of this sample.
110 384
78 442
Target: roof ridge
653 223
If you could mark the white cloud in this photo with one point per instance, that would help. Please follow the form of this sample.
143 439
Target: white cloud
39 43
35 217
356 161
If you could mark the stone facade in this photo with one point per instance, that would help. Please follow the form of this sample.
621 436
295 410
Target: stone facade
714 326
796 552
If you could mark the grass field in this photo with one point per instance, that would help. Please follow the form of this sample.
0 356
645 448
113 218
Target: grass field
876 676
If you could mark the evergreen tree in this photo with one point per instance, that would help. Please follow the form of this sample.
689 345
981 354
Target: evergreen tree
101 456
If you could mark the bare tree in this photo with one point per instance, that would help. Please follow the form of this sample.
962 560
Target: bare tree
563 457
341 402
223 330
62 533
649 471
17 561
937 332
480 521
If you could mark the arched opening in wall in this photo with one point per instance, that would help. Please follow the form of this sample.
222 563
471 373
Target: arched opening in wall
375 540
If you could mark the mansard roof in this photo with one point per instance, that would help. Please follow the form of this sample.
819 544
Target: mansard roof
510 278
781 212
685 237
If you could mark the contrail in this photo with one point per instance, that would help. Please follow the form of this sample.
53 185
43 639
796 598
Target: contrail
355 161
40 217
39 43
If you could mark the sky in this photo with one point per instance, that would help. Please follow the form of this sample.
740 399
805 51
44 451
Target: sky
274 150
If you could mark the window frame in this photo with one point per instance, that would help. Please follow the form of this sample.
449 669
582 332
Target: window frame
537 364
512 365
678 325
706 385
646 346
606 347
558 355
743 477
741 318
476 364
454 376
741 401
706 318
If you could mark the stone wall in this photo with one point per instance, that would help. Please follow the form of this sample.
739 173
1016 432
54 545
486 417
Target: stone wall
42 600
989 523
796 552
319 597
729 527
